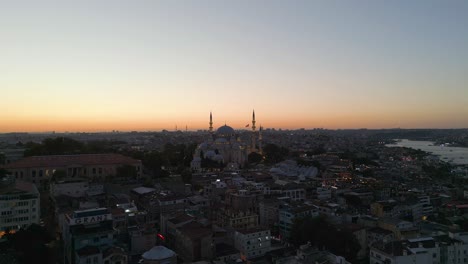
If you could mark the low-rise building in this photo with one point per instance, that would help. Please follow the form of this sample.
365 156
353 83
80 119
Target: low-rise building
19 205
74 187
86 235
251 243
428 250
159 255
289 212
39 169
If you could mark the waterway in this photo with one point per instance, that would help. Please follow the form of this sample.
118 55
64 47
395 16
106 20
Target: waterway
454 155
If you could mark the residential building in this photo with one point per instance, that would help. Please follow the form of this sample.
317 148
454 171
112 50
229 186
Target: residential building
74 187
19 205
427 250
39 169
289 212
253 242
159 255
86 235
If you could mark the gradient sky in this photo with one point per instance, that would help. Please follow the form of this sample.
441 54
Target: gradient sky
148 65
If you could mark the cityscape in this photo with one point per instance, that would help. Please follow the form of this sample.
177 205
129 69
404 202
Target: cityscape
226 132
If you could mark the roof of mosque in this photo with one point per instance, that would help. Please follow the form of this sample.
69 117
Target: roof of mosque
225 130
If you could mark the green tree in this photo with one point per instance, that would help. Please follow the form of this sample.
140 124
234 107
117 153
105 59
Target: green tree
2 159
148 182
3 172
254 157
30 245
275 153
186 175
54 146
127 172
322 234
59 175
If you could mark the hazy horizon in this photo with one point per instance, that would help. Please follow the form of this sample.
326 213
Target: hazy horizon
151 65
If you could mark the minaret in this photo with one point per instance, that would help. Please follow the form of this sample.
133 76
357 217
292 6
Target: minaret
211 123
253 130
253 121
260 139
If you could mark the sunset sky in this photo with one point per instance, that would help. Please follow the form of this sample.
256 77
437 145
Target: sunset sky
151 65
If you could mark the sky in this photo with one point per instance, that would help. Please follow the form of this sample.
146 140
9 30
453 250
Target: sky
97 65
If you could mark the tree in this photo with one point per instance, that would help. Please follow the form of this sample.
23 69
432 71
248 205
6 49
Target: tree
254 157
54 146
148 182
322 234
3 172
127 171
58 175
274 153
186 175
30 245
2 159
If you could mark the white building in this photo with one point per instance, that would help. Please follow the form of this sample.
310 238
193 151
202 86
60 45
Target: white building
251 243
159 255
74 187
19 205
323 193
427 250
426 206
289 212
292 190
225 146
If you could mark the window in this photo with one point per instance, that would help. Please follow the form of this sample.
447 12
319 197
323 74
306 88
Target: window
94 170
100 170
88 261
33 173
95 260
40 173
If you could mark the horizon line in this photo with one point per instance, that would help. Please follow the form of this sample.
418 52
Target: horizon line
240 129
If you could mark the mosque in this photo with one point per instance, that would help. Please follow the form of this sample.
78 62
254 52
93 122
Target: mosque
225 146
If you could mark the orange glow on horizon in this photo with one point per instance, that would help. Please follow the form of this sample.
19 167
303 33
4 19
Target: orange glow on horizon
335 121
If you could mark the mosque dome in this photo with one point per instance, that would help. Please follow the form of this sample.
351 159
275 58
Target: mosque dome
225 131
221 141
210 154
158 253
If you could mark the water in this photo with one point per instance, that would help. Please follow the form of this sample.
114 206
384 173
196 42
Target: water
454 155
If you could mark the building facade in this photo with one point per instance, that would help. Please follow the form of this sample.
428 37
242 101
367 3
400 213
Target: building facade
225 147
19 205
251 243
40 169
428 250
88 235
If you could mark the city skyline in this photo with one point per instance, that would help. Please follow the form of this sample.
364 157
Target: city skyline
115 65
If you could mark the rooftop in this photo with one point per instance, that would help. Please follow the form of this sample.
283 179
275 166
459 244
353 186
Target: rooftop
88 251
158 253
69 160
253 230
18 187
143 190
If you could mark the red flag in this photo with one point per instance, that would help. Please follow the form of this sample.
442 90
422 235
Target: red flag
247 125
